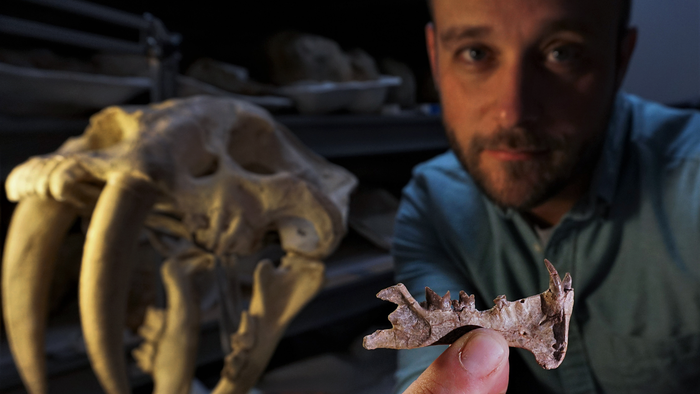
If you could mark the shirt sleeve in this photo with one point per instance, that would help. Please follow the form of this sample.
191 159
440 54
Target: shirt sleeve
421 260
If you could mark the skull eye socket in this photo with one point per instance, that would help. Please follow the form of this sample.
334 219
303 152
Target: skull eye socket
206 169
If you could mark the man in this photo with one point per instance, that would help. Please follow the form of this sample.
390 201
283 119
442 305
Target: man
549 160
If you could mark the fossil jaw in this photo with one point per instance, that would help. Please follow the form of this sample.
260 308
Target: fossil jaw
538 323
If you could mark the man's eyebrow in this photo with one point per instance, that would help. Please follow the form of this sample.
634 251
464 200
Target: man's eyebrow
461 32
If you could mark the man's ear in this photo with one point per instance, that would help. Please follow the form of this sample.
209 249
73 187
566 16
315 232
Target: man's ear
431 43
627 45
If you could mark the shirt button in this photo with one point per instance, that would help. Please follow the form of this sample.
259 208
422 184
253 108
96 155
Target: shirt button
537 247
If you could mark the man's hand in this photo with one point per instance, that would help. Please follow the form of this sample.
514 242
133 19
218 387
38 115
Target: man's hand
477 363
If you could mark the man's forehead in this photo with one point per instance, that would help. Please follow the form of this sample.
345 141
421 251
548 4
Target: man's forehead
458 32
456 18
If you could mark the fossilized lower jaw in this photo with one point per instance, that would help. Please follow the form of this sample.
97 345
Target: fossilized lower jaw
278 295
538 323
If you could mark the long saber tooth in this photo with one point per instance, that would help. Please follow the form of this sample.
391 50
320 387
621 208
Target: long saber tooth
104 279
34 239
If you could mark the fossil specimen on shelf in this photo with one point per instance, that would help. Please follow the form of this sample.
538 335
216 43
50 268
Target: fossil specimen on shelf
538 323
204 180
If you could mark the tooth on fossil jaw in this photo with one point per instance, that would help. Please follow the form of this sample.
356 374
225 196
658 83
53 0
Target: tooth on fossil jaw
539 323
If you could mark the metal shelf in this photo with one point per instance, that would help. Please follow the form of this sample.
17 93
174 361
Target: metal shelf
335 136
332 136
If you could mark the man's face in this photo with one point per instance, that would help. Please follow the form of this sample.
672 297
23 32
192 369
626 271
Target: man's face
527 88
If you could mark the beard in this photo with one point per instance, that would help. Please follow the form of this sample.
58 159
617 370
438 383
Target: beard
525 184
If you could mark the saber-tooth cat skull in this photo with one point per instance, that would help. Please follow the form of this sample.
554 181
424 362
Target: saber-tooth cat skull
208 178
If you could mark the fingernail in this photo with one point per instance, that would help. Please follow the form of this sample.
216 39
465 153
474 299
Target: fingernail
483 353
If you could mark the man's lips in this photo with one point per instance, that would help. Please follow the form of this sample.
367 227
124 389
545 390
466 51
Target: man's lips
516 154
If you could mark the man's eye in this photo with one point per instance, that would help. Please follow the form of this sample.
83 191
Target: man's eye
474 55
563 54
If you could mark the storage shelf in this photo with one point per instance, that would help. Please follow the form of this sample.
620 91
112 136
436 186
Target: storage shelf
336 136
332 136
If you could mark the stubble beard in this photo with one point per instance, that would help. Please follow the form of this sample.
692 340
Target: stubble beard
525 184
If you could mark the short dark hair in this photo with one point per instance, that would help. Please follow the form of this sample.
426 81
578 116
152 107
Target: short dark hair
625 16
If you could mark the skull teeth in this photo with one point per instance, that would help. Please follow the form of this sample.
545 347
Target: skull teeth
446 302
567 283
555 285
500 301
466 302
30 253
432 300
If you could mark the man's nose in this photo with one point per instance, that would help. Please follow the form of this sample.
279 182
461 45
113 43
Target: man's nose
517 101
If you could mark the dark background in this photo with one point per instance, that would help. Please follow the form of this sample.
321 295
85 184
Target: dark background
236 31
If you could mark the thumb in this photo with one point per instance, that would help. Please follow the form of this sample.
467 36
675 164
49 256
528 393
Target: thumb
477 363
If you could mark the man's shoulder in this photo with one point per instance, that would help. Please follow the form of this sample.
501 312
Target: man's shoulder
671 132
444 166
444 178
441 184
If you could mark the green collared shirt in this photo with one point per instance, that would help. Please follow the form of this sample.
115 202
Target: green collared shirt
632 246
